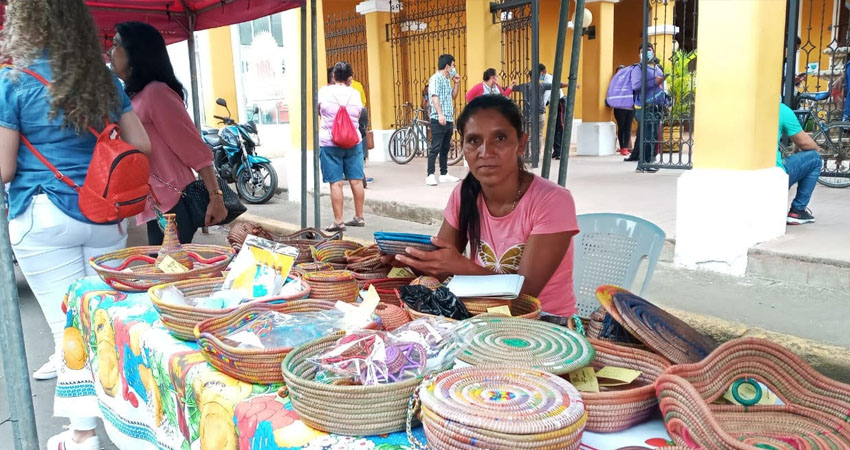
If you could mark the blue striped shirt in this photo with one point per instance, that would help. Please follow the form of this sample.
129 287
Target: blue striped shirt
441 87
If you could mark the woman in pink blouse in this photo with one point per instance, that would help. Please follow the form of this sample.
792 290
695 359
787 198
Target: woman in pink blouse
140 59
512 220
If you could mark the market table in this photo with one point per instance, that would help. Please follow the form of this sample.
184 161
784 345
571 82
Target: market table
155 391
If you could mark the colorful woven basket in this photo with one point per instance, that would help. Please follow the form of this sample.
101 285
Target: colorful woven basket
601 326
499 408
526 343
363 278
618 408
815 413
386 288
347 410
240 231
257 366
332 285
333 251
305 239
391 316
181 319
302 268
662 332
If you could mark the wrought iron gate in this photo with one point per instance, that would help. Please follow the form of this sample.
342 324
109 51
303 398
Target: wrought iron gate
820 91
419 33
516 23
666 119
345 40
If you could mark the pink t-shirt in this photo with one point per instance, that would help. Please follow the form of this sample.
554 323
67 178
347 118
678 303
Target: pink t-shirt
331 97
176 145
545 208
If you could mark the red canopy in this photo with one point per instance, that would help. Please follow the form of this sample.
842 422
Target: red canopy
172 17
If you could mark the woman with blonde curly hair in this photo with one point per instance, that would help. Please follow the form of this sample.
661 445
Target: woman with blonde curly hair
52 240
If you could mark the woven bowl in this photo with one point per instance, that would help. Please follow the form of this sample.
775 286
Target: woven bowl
240 231
208 260
619 408
182 319
386 288
814 414
346 410
332 285
333 251
363 278
257 366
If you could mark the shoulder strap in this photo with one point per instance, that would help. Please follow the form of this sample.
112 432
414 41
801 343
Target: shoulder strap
48 85
59 175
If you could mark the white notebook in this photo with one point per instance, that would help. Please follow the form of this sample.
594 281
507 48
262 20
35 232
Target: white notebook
493 286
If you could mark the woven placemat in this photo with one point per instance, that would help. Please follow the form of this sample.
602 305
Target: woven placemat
526 343
499 405
662 332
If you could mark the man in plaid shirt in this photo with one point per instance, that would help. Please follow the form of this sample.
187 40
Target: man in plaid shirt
443 88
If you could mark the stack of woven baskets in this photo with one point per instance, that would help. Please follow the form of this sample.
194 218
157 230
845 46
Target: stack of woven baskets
366 264
333 285
303 239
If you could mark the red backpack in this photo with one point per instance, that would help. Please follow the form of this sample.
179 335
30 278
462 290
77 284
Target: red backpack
343 132
116 185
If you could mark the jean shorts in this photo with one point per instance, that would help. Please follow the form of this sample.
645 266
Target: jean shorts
339 163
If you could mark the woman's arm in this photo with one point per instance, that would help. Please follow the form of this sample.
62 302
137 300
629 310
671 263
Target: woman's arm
216 211
133 132
9 144
542 255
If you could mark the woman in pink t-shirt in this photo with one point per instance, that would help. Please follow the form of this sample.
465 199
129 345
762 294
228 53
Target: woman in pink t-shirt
513 220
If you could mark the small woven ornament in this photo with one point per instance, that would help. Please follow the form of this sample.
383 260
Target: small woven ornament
430 282
527 343
171 246
391 316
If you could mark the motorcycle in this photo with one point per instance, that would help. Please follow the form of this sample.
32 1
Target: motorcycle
236 160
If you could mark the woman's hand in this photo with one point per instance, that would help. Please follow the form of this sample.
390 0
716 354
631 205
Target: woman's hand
216 211
445 260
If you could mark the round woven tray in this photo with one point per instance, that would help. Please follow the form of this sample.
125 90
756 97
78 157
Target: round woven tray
182 319
618 408
662 332
527 343
334 251
386 288
257 366
346 410
603 327
501 407
332 285
391 316
814 414
208 261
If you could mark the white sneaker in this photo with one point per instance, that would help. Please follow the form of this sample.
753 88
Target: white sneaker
48 370
431 180
448 179
64 441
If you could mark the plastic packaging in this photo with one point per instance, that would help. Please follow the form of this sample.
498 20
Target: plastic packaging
276 330
442 340
439 302
260 268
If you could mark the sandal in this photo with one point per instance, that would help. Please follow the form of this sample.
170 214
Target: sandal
356 222
335 227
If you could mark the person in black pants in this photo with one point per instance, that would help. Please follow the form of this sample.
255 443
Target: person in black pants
442 90
559 128
624 118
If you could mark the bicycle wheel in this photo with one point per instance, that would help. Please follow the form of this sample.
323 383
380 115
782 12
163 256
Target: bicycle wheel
834 147
456 151
402 146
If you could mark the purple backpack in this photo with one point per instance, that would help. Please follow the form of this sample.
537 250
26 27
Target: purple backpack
620 94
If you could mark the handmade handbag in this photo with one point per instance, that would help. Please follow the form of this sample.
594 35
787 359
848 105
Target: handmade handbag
197 199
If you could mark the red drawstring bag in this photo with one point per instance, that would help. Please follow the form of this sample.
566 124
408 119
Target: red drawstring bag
343 132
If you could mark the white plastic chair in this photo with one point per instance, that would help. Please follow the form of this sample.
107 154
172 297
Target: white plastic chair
608 250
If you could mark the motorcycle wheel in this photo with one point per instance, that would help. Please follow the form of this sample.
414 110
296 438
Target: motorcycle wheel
257 185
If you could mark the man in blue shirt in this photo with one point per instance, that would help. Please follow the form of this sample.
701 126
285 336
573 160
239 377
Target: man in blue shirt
443 88
803 167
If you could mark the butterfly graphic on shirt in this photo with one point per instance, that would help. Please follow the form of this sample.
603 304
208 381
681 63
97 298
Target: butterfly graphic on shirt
508 262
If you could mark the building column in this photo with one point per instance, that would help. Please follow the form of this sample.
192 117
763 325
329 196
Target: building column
734 197
483 37
597 133
222 75
661 29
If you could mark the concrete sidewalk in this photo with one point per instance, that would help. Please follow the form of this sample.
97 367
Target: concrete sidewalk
817 254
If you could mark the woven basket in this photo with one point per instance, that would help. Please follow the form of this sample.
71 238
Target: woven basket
332 285
430 282
333 251
500 407
302 268
181 319
346 410
601 326
527 343
524 307
391 316
616 409
250 365
363 278
392 247
304 240
208 261
815 414
386 288
240 231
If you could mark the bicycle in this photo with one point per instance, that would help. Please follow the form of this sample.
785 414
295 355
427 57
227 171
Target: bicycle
413 139
831 137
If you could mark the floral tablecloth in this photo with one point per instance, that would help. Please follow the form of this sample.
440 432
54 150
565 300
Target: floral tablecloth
155 391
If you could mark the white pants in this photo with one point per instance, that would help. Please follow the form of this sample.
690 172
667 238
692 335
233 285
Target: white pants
53 251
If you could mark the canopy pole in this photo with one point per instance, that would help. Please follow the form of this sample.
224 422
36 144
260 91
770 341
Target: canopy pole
193 73
556 83
534 114
18 390
317 205
578 32
304 116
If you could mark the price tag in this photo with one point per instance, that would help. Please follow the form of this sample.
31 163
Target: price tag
585 380
400 272
616 376
504 310
170 265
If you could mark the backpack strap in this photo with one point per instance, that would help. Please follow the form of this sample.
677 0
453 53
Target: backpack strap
48 85
59 175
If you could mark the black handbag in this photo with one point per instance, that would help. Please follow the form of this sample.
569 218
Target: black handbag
197 199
